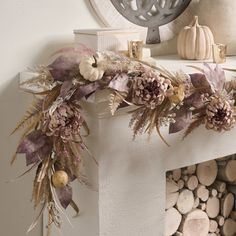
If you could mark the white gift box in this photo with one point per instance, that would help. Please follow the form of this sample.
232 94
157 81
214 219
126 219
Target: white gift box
106 39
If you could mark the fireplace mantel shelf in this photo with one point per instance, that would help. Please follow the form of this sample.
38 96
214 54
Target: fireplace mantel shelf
173 62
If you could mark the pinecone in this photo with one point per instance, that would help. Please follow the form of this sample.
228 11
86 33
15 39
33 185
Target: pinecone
64 122
150 90
220 115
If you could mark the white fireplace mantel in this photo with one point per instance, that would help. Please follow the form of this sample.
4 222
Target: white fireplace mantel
131 174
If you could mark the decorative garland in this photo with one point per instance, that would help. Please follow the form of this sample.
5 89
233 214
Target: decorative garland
54 127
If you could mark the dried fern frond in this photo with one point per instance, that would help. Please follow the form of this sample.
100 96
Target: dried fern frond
152 121
145 120
115 99
155 115
51 97
32 115
139 120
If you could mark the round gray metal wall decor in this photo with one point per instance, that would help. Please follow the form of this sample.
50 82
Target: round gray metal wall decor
110 17
151 14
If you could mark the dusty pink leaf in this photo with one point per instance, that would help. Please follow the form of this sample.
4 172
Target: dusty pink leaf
194 100
67 90
64 67
120 82
31 142
64 196
199 81
182 120
34 157
215 77
35 146
85 90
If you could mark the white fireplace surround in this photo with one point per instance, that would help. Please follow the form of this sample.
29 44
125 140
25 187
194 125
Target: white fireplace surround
131 176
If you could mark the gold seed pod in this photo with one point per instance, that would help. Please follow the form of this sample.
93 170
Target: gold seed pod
60 179
178 94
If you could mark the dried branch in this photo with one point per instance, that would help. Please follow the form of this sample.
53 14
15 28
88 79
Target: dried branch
193 126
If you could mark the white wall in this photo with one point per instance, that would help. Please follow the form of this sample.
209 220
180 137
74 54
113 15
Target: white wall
30 30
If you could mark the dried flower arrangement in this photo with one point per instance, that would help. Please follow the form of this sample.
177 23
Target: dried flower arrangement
54 128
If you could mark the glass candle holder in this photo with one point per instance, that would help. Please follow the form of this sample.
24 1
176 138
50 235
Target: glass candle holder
135 49
219 53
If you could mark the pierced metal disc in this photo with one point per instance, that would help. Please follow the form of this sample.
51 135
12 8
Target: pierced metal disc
110 16
151 13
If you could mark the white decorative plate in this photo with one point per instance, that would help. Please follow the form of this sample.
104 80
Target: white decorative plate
112 18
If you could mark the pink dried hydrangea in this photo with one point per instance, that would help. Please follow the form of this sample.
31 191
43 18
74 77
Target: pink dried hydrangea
65 122
219 114
150 90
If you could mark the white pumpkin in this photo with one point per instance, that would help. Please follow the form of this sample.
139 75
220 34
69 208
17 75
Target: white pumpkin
90 69
195 42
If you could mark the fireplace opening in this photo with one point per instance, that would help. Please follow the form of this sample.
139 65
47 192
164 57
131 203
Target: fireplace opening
201 199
